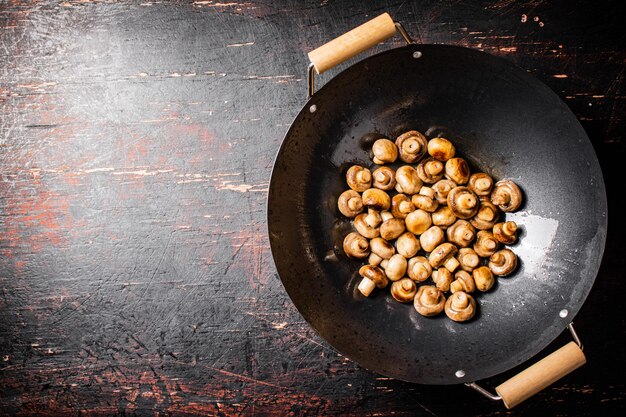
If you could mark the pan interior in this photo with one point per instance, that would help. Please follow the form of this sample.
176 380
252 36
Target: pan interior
506 123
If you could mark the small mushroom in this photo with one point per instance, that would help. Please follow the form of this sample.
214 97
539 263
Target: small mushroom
373 218
432 238
441 149
361 226
419 269
505 232
468 259
401 205
503 262
376 199
427 191
443 217
484 279
463 282
480 183
350 203
356 246
430 170
485 245
396 267
412 146
463 202
385 151
407 181
442 189
382 248
457 170
418 221
384 178
403 290
486 216
359 178
506 195
424 202
373 277
392 228
460 306
429 301
444 255
442 279
461 233
407 245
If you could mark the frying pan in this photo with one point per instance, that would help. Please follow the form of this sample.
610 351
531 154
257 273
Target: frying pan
504 122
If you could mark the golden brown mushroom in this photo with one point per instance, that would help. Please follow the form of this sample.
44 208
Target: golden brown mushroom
350 203
442 189
385 151
384 178
457 170
407 245
396 267
463 282
505 232
424 202
460 306
503 262
382 248
463 202
412 146
419 269
403 290
391 228
429 301
418 221
444 255
356 246
485 245
365 229
506 195
443 217
441 149
373 277
468 259
376 199
442 279
486 216
461 233
407 181
480 183
401 205
373 218
430 170
359 178
432 238
484 279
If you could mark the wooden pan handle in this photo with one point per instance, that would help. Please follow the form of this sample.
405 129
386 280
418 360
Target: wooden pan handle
352 43
540 375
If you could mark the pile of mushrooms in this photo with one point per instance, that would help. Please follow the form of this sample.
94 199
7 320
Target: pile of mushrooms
431 228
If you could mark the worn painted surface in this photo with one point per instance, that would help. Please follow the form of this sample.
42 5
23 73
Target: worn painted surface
136 144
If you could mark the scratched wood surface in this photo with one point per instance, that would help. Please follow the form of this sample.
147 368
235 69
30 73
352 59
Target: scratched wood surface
136 145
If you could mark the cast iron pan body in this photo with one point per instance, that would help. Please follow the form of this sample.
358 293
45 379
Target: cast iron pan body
506 123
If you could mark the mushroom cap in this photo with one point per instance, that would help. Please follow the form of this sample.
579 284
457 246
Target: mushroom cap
463 202
442 189
396 267
411 146
443 217
441 253
385 151
361 226
480 183
461 233
432 238
424 202
486 216
407 245
442 278
485 245
418 221
505 232
407 181
441 149
391 228
382 248
484 279
503 262
506 195
356 246
468 259
463 282
375 274
457 170
376 199
359 178
419 269
350 203
384 178
429 301
430 170
460 306
403 290
401 206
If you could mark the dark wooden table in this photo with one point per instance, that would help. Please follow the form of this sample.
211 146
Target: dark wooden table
136 145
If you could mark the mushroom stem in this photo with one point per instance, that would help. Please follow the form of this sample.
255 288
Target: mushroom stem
366 286
451 264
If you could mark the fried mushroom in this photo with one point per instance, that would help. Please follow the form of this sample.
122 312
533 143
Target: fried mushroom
460 306
359 178
441 149
444 255
461 233
463 202
483 278
408 245
505 232
419 269
486 216
480 183
468 259
429 301
356 246
463 282
392 228
407 181
376 199
385 151
506 195
443 217
365 229
430 170
442 279
412 146
485 245
372 277
396 267
350 203
418 221
382 248
432 238
401 206
442 189
503 262
457 170
384 178
403 290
